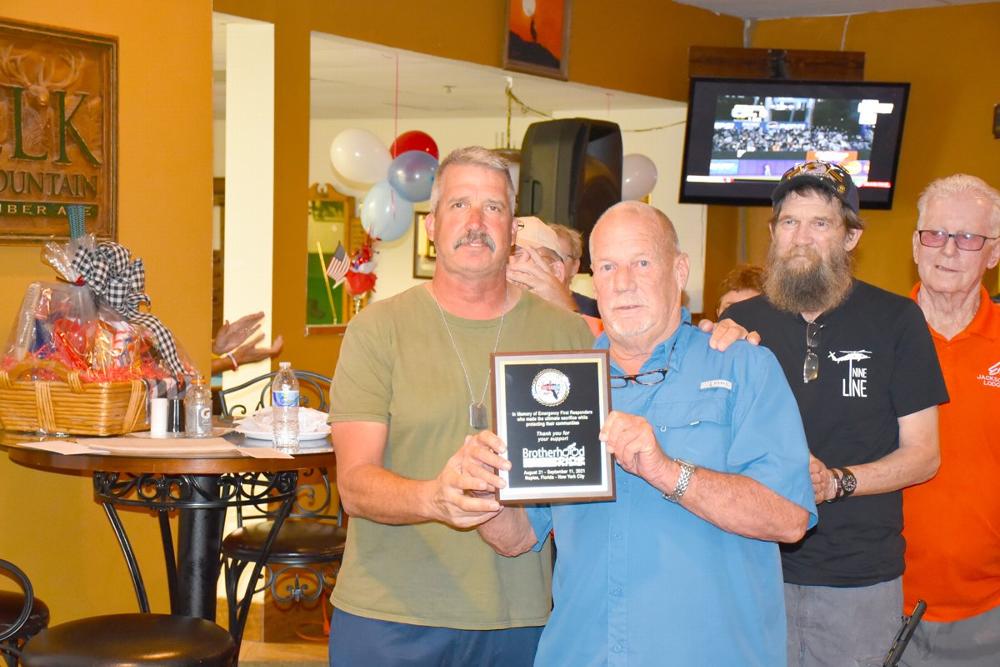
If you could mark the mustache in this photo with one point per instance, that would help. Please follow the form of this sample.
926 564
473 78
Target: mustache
809 253
476 236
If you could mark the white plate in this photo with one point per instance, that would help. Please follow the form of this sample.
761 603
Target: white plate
267 435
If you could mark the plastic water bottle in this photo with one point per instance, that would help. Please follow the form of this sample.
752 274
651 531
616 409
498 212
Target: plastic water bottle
198 410
285 408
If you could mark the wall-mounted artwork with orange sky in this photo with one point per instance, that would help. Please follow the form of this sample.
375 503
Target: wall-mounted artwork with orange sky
537 34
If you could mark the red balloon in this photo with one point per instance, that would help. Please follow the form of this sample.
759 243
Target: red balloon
414 140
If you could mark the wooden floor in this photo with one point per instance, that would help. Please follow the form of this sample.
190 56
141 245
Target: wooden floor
274 654
278 637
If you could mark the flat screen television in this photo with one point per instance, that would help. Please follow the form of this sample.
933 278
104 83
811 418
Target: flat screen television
743 134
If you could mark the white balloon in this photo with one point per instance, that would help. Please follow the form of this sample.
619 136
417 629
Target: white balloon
358 155
638 176
346 187
528 6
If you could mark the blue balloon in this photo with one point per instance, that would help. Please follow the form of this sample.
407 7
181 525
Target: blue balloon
385 214
412 174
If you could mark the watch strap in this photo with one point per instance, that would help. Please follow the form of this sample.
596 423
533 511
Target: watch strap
683 480
838 485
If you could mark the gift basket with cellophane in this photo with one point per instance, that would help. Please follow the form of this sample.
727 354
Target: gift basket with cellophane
84 354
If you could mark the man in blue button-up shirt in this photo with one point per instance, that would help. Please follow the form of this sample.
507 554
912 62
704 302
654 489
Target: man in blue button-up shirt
682 568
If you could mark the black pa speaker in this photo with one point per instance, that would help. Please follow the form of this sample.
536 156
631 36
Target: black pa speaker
571 172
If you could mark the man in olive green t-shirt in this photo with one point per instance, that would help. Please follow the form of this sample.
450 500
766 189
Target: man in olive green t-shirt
417 586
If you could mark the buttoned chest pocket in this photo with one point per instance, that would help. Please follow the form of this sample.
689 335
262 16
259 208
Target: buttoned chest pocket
697 431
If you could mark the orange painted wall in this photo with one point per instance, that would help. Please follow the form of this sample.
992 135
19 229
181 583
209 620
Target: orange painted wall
945 54
51 525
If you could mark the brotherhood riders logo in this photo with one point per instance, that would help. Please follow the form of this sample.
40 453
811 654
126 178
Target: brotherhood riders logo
993 379
856 383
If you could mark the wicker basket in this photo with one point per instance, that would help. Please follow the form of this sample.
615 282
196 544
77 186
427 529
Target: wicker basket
70 406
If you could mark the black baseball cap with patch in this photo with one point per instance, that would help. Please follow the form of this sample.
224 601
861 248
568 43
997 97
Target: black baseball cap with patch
827 175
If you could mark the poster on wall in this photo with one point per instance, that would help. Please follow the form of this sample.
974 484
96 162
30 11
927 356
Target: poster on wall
58 131
537 40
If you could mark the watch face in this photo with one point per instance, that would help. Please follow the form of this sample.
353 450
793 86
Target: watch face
849 482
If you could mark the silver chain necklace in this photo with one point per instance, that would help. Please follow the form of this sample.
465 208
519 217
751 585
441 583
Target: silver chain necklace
477 411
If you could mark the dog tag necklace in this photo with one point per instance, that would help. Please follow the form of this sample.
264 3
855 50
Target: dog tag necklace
477 410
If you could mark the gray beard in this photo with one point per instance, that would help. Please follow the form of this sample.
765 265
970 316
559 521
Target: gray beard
817 288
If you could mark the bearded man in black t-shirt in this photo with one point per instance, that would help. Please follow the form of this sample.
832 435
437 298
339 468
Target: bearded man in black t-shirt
863 369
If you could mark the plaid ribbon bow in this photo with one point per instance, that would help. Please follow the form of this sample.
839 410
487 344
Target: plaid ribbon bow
119 281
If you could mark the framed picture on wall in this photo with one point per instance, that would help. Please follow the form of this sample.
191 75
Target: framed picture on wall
424 253
537 39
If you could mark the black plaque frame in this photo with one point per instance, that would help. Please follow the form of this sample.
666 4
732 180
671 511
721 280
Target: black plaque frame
565 425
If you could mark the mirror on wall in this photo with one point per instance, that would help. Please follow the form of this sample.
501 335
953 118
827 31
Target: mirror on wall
333 233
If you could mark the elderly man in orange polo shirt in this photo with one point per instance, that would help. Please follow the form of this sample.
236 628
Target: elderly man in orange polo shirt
952 522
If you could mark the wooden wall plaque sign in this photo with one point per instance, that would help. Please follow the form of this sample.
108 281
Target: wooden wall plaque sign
58 131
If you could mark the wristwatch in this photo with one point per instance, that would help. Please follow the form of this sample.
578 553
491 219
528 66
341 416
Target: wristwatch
845 481
687 470
848 482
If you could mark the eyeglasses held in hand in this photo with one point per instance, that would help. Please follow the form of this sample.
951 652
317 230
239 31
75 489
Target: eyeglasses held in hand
938 238
826 170
645 379
810 369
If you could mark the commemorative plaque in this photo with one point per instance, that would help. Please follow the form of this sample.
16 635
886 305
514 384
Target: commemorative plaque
549 408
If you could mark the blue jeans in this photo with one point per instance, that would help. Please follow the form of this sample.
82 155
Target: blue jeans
842 627
356 641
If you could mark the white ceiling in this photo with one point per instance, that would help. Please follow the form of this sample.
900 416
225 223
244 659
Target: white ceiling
352 79
775 9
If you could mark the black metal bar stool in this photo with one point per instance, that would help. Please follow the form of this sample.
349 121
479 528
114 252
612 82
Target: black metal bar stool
304 559
116 640
305 556
22 615
129 640
167 640
212 495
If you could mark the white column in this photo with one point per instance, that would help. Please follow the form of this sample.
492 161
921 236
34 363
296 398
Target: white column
249 180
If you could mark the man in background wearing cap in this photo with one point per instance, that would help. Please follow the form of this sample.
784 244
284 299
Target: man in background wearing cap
952 544
549 270
863 370
571 249
541 265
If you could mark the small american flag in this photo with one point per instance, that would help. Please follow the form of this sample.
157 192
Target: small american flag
339 263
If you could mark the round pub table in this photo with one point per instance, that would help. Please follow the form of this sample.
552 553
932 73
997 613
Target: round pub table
200 487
